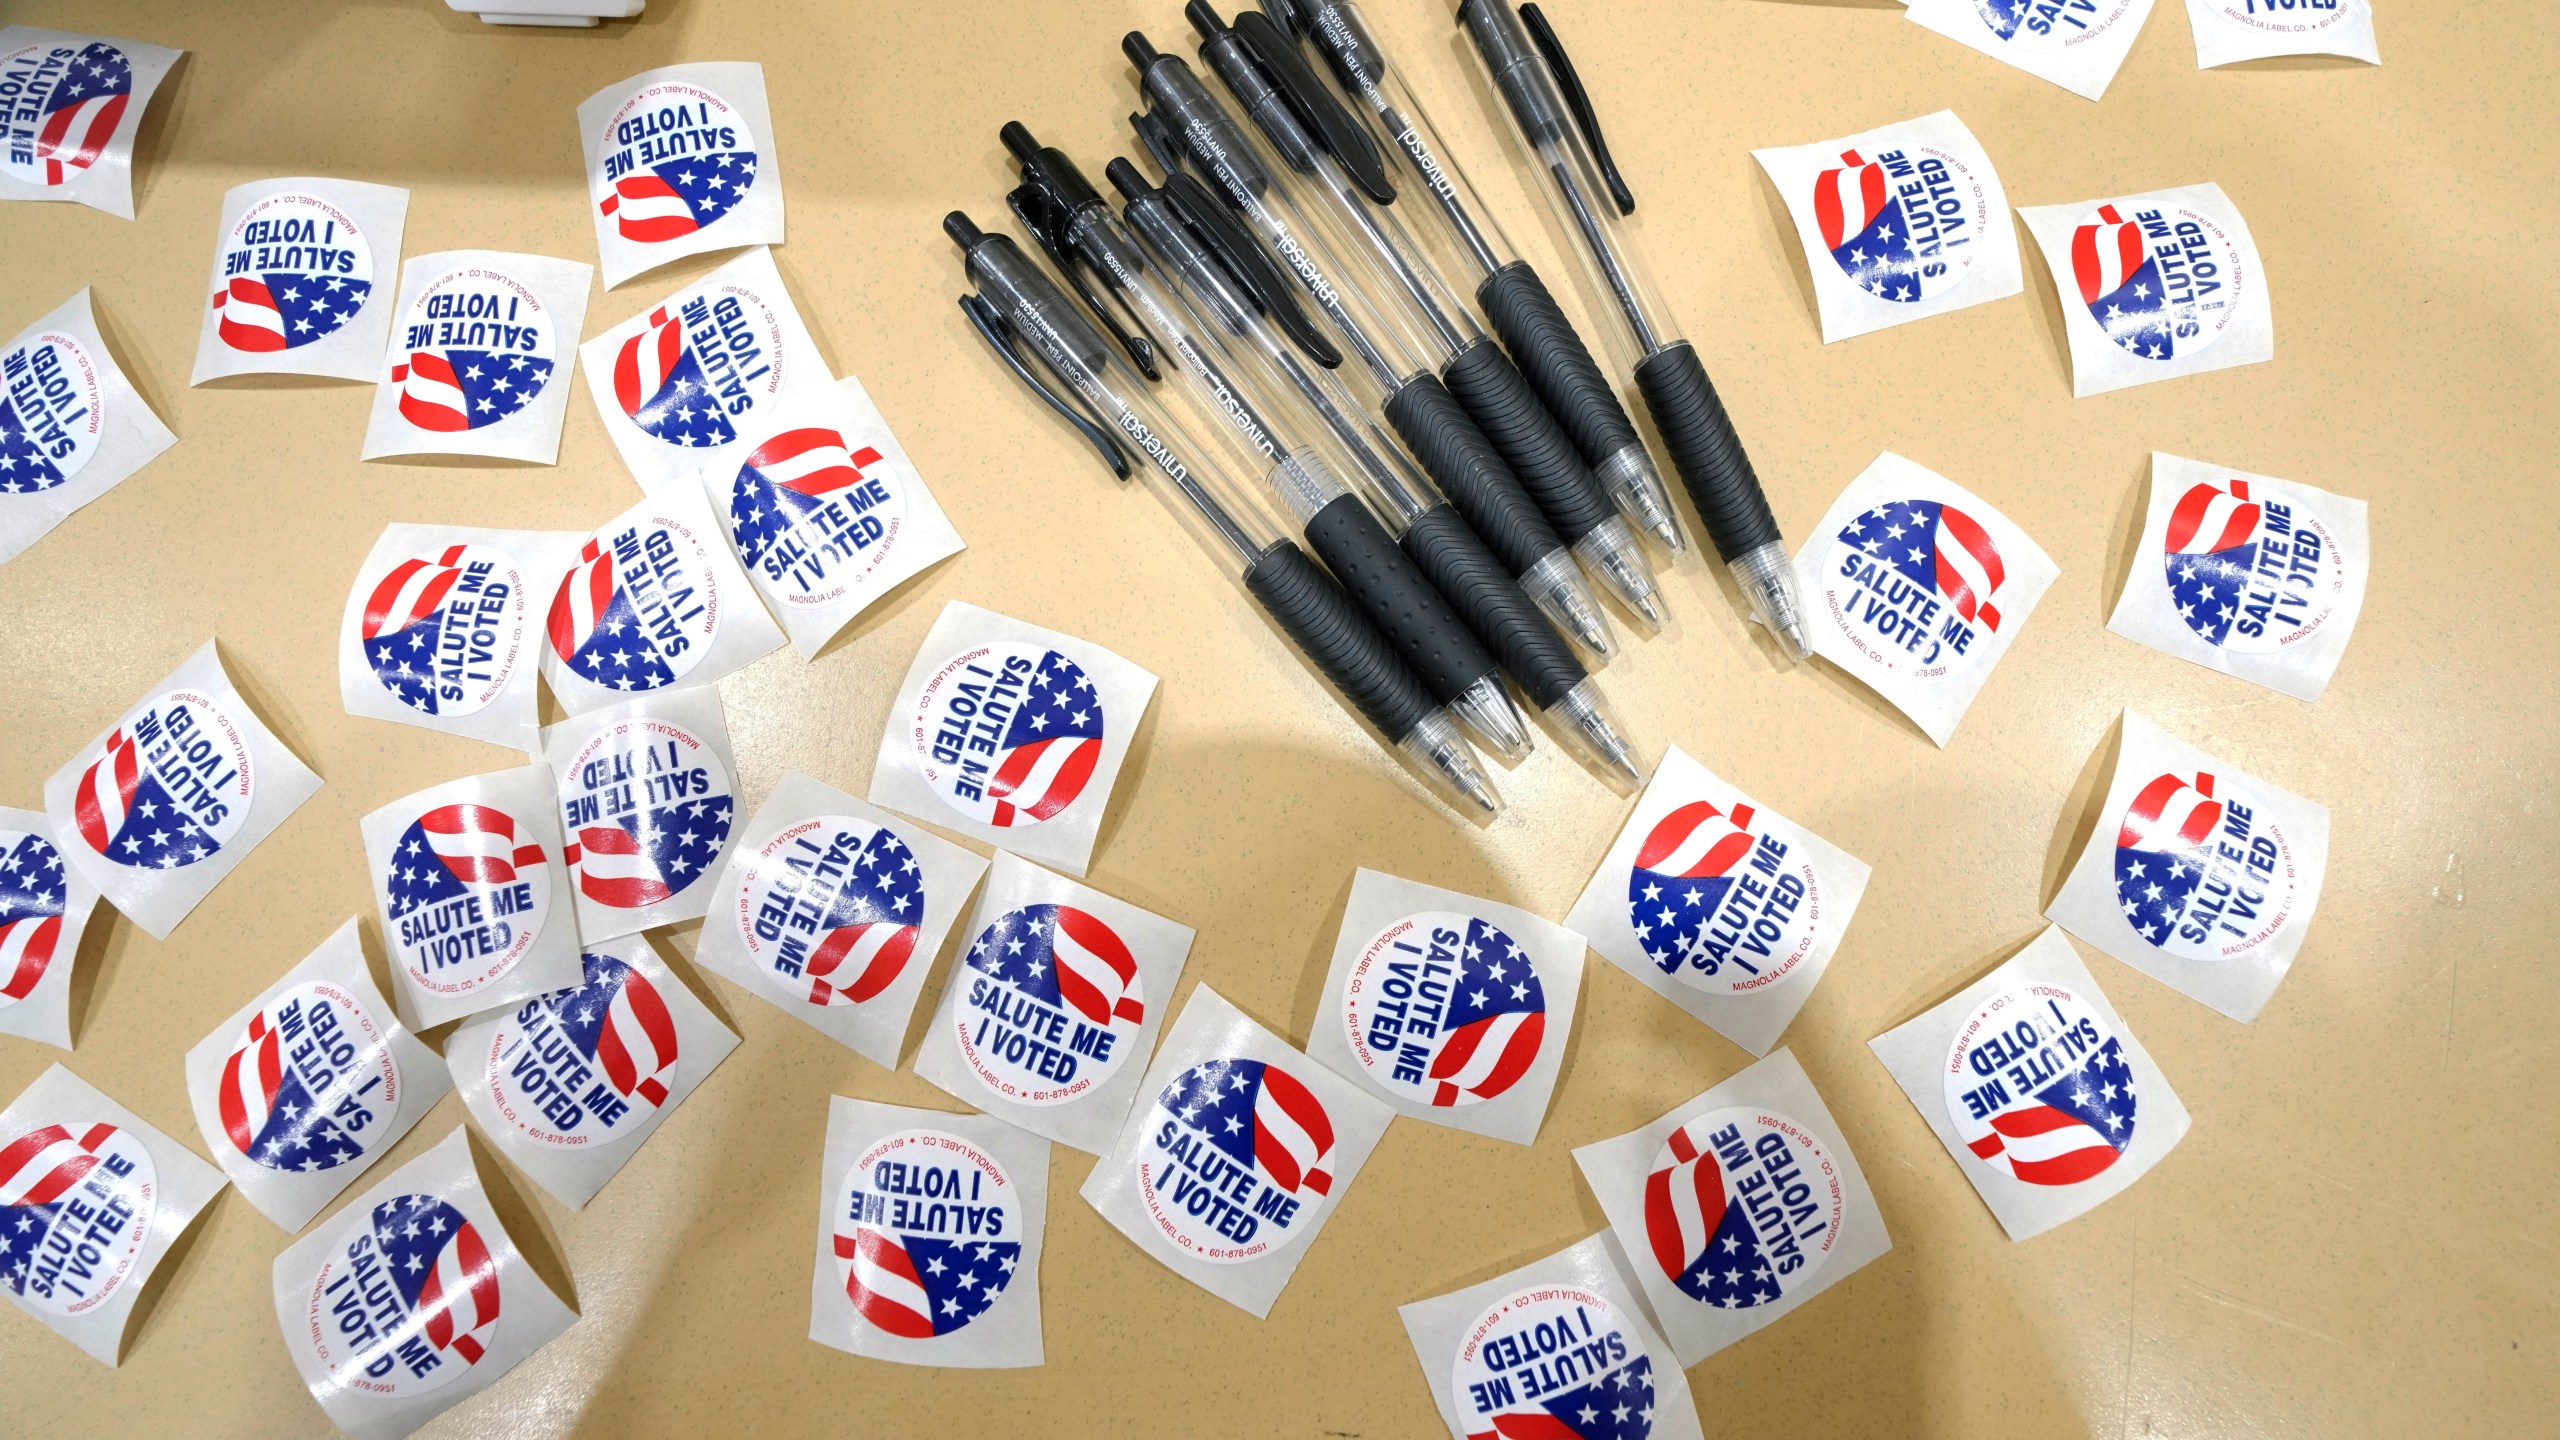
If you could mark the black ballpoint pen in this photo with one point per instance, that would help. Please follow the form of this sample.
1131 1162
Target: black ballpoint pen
1330 152
1080 232
1551 118
1189 123
1533 327
1017 302
1202 259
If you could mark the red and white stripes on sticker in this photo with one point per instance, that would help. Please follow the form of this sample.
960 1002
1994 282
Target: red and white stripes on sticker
250 320
1097 975
1683 1205
647 209
614 870
812 460
460 1297
75 136
2170 814
250 1079
431 395
882 1283
1969 568
1697 841
637 1043
106 792
2212 517
1292 1135
585 593
410 592
1847 200
478 843
41 1166
645 361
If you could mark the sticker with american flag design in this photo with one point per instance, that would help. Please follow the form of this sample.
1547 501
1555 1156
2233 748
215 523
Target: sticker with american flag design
571 1083
680 161
163 805
2155 286
2076 44
442 628
306 1086
473 894
91 1199
929 1238
2199 874
654 600
477 357
298 271
71 426
70 107
44 910
412 1298
647 809
2036 1087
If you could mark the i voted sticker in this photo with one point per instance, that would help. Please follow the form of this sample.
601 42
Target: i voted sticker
1742 1207
814 514
697 369
480 347
59 109
2037 1086
646 804
76 1202
581 1067
2162 281
1902 223
295 268
1234 1159
927 1233
444 631
1556 1362
2048 27
170 789
51 411
1914 586
830 908
310 1083
2286 17
638 610
469 892
2202 869
34 894
1008 734
1053 1003
2249 569
407 1299
1444 1009
677 158
1721 901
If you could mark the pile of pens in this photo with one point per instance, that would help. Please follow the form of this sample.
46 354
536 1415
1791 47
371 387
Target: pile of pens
1462 495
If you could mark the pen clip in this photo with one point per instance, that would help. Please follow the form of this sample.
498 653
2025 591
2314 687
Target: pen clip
1291 15
1047 220
1577 100
1315 106
999 337
1159 139
1244 258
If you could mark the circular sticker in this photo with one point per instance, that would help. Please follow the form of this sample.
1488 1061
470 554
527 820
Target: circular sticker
1007 734
815 514
169 787
1054 1003
1444 1009
1235 1160
2250 569
646 805
467 892
34 896
443 632
2038 1087
1903 223
829 909
928 1232
76 1203
311 1083
2284 17
1554 1362
1742 1207
1914 585
1722 901
638 610
60 106
2203 871
676 158
406 1299
584 1066
479 348
2162 282
295 268
51 412
2051 26
700 364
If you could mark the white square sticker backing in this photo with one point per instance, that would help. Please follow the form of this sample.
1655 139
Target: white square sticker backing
648 808
89 93
2155 286
444 629
680 161
298 272
92 429
653 601
481 345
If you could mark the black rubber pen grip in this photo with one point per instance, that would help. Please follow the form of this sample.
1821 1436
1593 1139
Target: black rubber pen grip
1558 365
1456 454
1444 548
1709 455
1341 643
1382 580
1528 439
